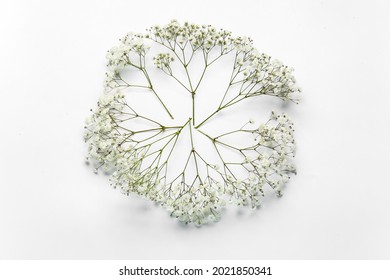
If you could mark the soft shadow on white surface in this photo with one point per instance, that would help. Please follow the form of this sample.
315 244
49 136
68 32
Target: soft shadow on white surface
52 66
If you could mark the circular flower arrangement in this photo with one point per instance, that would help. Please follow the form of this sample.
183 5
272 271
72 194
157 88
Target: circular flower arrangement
138 150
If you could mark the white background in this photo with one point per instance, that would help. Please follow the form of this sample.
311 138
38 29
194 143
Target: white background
52 64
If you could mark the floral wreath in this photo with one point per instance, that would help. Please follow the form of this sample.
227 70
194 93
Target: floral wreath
138 150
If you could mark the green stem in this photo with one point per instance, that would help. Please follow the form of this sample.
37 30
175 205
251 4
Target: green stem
193 108
209 117
162 103
201 78
193 152
155 93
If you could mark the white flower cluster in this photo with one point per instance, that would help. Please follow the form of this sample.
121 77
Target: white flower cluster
130 178
199 36
139 159
278 134
194 205
100 131
244 44
118 57
110 81
163 60
271 76
276 146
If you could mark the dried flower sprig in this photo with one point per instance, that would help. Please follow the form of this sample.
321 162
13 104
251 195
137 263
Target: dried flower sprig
141 158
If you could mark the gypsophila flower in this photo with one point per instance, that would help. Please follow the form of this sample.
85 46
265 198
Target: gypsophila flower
140 160
162 60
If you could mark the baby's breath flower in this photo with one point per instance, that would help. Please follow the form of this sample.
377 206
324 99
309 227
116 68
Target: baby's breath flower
163 60
140 160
